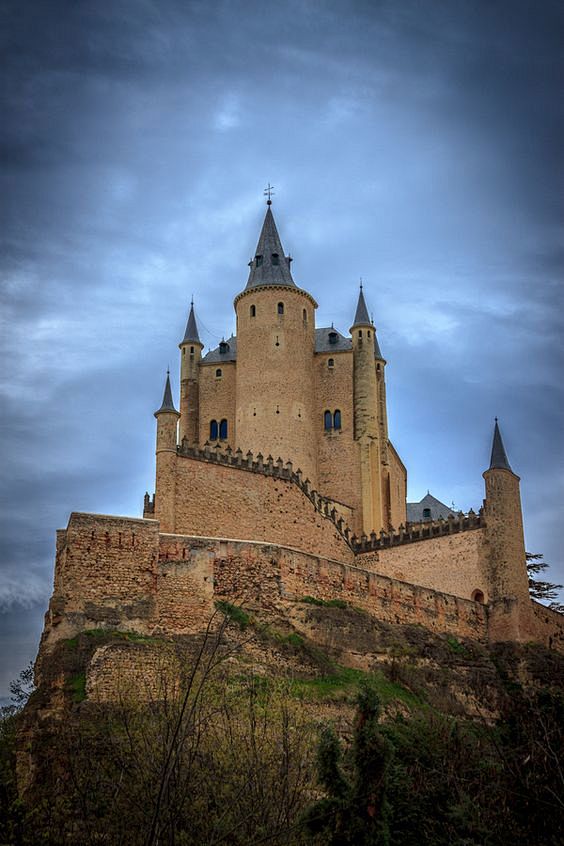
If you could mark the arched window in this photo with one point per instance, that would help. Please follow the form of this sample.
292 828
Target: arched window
328 421
280 308
331 362
213 430
337 419
478 596
191 350
223 430
275 258
253 311
368 333
218 373
360 333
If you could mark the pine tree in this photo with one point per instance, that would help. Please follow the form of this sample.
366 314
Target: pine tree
538 588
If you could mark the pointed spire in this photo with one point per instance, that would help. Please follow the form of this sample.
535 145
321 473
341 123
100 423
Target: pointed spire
168 403
269 266
499 459
361 317
377 350
191 335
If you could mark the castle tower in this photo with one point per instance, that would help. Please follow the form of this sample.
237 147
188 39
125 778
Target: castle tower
190 355
505 548
370 421
275 348
167 425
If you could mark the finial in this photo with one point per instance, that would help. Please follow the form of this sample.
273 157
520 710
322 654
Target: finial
361 283
268 192
192 301
495 418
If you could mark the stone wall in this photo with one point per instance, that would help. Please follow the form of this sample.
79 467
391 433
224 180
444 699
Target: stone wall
217 398
454 564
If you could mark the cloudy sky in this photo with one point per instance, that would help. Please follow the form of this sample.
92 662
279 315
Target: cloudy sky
415 144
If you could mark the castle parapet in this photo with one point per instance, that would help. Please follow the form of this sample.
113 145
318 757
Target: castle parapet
414 532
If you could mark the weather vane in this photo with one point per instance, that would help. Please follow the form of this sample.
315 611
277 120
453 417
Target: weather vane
268 192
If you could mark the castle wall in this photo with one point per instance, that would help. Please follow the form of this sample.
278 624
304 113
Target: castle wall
275 388
398 488
217 398
338 458
455 563
222 501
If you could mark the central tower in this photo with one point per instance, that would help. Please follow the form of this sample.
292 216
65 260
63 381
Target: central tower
275 350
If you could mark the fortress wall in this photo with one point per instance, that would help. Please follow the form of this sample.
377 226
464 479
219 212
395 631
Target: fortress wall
105 575
338 457
217 398
398 488
185 594
546 626
146 671
454 563
223 501
268 572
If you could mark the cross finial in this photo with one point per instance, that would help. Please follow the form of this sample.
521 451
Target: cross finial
268 192
361 283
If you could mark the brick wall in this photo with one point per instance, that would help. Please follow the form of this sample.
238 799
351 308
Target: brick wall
455 564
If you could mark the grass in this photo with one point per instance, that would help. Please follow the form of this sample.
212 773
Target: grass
76 685
345 680
234 613
325 603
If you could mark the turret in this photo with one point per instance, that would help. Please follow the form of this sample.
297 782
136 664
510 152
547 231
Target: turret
275 348
167 425
370 420
190 356
505 547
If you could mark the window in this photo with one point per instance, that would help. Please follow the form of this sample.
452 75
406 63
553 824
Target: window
333 337
280 308
478 596
191 350
253 311
223 430
258 261
368 333
305 315
328 421
331 362
218 373
426 514
275 258
213 430
360 333
337 420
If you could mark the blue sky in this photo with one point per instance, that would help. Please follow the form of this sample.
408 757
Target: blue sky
415 144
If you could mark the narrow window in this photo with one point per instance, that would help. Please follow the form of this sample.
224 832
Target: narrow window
213 430
253 311
223 430
280 308
360 333
305 315
368 333
218 373
333 337
331 362
191 350
328 421
478 596
337 420
258 261
183 350
275 258
426 514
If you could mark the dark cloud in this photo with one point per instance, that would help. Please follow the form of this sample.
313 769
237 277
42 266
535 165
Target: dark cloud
416 144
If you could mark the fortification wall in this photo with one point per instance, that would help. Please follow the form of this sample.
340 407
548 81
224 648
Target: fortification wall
454 563
398 488
225 501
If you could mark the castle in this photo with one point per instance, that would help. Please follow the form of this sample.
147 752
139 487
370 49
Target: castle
276 480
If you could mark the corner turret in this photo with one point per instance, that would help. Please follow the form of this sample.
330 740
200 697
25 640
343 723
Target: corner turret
190 356
167 425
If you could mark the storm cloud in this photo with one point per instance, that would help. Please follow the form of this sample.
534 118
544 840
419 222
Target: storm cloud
415 144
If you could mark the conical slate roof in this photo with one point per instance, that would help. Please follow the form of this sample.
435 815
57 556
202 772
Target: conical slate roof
361 317
499 459
168 404
377 351
191 334
269 266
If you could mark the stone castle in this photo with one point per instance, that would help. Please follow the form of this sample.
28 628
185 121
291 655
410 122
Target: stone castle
276 480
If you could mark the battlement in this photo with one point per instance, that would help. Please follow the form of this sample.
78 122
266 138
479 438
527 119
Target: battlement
413 532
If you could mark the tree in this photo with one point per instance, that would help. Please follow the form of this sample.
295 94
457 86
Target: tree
539 588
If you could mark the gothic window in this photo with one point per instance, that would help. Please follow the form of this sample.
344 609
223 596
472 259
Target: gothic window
258 261
337 419
331 362
426 514
280 308
223 430
218 373
328 421
253 311
275 258
213 430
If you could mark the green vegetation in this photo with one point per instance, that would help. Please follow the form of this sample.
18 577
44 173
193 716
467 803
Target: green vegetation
345 681
77 687
325 603
234 613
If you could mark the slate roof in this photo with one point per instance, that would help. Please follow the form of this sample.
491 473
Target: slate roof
191 333
436 507
167 404
323 344
361 317
499 456
216 357
264 270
